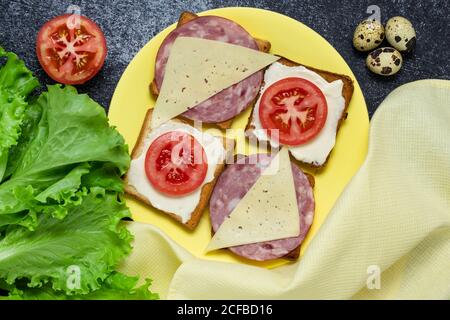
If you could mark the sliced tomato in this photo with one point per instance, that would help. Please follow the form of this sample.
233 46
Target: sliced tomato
71 48
294 109
176 163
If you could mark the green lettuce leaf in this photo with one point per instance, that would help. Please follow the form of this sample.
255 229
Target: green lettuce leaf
116 287
71 137
12 109
74 129
15 76
16 83
3 163
90 240
61 235
29 131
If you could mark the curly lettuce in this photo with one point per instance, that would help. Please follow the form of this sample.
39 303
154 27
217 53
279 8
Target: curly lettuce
90 240
116 287
70 136
15 76
16 83
61 208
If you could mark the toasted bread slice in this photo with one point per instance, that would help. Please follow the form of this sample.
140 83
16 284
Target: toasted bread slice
347 93
206 189
263 46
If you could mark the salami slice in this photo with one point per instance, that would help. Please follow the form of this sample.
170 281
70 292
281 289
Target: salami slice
235 182
231 101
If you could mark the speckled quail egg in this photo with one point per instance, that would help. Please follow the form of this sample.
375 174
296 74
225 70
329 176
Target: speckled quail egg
400 34
384 61
368 35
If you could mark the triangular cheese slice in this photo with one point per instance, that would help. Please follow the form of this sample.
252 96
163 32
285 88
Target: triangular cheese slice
268 211
197 69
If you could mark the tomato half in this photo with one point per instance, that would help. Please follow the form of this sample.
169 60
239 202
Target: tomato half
296 108
71 48
176 163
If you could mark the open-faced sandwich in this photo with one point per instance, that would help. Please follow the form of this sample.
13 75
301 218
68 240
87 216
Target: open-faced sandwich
209 69
174 168
221 108
262 207
218 75
304 108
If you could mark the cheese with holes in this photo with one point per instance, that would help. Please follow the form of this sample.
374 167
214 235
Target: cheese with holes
268 211
197 69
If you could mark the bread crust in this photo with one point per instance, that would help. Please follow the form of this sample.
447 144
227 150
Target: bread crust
186 16
347 93
206 188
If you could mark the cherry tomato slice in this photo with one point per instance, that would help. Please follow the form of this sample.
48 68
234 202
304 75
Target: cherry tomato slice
296 108
71 48
176 163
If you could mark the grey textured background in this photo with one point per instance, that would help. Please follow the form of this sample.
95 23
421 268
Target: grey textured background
128 25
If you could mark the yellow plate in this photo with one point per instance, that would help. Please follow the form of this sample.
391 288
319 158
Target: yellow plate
290 39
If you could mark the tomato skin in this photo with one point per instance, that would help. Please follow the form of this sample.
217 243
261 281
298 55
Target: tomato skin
294 110
93 67
176 163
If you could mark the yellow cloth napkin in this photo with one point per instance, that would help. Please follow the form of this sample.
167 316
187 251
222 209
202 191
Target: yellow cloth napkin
393 217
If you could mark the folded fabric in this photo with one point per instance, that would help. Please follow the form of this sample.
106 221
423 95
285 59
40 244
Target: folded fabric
387 237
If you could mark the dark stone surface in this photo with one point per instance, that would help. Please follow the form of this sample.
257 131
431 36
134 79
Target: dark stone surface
129 24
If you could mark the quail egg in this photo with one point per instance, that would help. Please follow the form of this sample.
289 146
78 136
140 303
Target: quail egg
368 35
384 61
400 34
